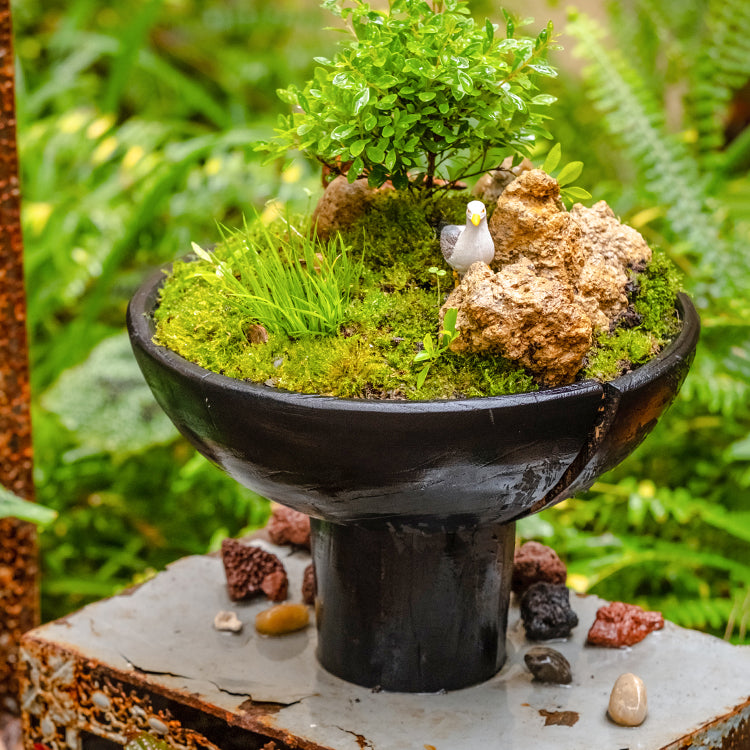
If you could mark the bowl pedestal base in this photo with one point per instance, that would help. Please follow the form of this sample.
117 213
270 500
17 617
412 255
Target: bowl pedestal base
412 609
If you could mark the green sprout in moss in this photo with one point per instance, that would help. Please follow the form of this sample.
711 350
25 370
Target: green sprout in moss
438 273
432 351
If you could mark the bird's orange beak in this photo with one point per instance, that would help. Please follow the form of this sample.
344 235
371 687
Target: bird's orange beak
475 219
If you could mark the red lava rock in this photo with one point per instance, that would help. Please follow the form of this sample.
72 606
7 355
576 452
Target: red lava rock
309 587
619 624
534 562
247 567
275 586
287 526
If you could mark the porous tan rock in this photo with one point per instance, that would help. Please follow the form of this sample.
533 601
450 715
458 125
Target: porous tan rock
610 250
628 704
604 234
530 222
341 204
531 319
556 278
601 291
490 186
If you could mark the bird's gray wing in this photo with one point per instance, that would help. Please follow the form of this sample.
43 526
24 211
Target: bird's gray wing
448 237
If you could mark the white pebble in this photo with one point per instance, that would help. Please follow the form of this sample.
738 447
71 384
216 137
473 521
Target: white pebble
227 621
627 703
158 725
101 700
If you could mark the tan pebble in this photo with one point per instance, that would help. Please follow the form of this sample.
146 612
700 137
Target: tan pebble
227 621
283 618
627 703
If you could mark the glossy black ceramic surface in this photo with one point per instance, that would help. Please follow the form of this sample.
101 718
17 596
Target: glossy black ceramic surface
413 501
451 462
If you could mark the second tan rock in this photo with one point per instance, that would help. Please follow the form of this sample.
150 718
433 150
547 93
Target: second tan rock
531 319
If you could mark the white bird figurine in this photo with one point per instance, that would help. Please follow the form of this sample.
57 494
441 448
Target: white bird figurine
465 245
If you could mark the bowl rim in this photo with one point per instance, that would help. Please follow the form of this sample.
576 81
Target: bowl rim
141 330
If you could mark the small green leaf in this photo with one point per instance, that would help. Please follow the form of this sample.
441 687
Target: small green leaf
12 506
449 319
386 81
342 80
576 192
465 82
422 375
357 147
361 101
422 356
375 154
386 101
570 173
553 159
341 132
544 99
426 96
356 168
200 252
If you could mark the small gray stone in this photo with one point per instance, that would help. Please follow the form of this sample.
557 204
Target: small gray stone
548 665
627 703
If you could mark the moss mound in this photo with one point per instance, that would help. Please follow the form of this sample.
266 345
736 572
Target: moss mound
391 308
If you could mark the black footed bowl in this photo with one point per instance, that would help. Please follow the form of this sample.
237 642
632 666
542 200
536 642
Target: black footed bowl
412 502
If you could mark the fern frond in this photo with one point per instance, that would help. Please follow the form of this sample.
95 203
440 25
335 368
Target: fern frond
713 612
722 67
739 615
668 172
713 381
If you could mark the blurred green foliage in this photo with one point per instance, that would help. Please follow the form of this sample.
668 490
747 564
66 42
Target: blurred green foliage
136 126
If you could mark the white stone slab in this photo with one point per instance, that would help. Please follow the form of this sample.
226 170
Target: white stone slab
165 628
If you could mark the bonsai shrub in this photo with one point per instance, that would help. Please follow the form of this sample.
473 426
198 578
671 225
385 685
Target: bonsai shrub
421 91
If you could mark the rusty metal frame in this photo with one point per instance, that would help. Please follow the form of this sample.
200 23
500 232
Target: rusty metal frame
71 702
19 598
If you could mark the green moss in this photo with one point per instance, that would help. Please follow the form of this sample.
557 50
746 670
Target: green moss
619 352
658 286
393 308
400 232
653 323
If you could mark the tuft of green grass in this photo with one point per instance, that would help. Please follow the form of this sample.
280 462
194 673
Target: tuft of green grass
284 280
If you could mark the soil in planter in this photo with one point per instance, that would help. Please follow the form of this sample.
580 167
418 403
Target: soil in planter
390 310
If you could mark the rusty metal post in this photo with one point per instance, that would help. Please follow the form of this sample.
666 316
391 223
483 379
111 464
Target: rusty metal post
19 600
